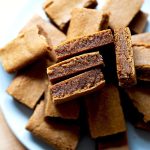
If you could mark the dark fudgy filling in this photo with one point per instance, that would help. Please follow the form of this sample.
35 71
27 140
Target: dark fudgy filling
79 83
82 44
74 65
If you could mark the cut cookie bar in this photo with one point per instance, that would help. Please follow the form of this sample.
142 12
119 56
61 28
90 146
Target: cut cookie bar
83 44
122 11
60 11
76 86
104 111
59 135
124 57
87 21
23 50
74 65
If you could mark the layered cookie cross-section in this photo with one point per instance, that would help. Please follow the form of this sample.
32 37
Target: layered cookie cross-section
124 57
74 65
83 44
77 86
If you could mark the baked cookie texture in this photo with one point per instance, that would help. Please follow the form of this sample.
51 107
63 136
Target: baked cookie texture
77 86
23 50
74 65
59 135
29 84
68 110
86 21
122 11
104 111
60 11
83 44
124 57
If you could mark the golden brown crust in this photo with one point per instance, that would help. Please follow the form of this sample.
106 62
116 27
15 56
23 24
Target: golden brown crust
29 84
58 135
23 50
139 22
105 115
86 21
122 11
83 44
124 57
68 110
74 65
77 86
60 11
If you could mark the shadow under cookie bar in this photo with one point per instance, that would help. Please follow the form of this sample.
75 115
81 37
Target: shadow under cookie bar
74 65
59 135
83 44
23 50
124 57
77 86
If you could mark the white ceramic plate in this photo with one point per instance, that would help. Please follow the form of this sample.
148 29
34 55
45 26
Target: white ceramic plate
17 115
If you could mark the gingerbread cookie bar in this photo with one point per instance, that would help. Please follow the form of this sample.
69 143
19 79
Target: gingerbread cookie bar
139 22
104 111
74 65
60 11
124 57
29 84
122 11
54 35
76 86
68 110
83 44
24 50
59 135
87 21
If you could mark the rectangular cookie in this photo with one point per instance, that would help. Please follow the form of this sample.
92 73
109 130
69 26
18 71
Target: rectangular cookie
74 65
83 44
104 111
86 21
54 35
113 142
60 11
140 97
124 57
139 22
29 84
76 86
122 11
59 135
23 50
68 110
141 39
142 57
